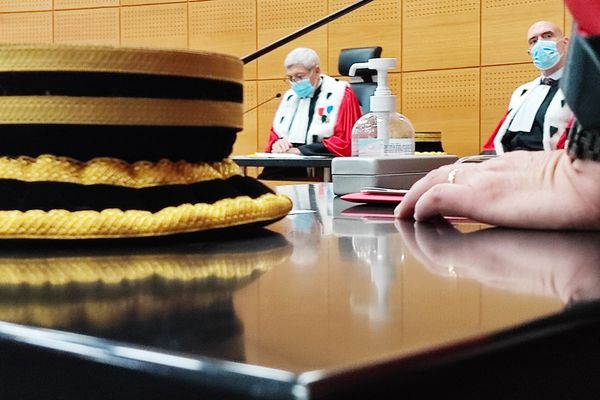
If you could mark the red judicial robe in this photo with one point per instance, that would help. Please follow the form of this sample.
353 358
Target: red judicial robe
340 114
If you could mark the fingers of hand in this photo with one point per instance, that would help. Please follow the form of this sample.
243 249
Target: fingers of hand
445 174
281 146
445 199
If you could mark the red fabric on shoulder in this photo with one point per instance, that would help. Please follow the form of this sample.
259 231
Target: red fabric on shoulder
340 142
489 144
587 15
272 139
563 137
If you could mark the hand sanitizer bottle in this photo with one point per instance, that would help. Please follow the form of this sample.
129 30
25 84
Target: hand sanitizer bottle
383 131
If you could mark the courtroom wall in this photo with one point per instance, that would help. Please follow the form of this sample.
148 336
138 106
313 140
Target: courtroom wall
459 60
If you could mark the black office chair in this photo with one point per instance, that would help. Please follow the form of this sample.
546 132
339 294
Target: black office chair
362 84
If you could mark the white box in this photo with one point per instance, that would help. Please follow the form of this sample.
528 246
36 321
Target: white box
352 174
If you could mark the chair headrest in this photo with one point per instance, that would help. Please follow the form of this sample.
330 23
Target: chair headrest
358 55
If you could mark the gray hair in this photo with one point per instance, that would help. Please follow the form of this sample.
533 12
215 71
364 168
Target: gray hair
302 55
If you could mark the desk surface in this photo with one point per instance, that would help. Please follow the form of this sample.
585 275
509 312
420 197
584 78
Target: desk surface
318 302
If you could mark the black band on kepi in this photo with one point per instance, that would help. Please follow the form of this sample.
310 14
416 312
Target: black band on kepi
128 143
23 196
110 84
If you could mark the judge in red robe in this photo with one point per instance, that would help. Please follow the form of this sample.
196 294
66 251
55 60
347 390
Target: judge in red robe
538 116
316 115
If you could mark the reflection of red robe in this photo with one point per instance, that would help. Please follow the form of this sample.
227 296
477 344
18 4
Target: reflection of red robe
339 143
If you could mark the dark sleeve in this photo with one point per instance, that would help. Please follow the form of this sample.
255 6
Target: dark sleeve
581 85
314 149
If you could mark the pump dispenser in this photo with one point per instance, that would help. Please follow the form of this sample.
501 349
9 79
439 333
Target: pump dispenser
382 131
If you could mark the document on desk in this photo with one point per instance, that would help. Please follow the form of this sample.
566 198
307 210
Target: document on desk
284 155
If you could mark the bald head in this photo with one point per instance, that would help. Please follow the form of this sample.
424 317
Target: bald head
548 32
545 30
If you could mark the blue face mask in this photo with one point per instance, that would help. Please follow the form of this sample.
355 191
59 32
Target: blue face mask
303 88
545 54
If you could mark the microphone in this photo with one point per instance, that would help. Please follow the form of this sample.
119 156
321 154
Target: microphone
277 95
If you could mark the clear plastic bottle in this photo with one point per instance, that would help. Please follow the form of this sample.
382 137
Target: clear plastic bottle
383 131
367 141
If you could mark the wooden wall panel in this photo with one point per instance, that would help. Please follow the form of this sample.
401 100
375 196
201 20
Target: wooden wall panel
568 22
246 142
73 4
376 24
93 26
504 25
163 25
395 82
26 27
276 19
497 85
25 5
266 90
439 34
142 2
226 27
445 101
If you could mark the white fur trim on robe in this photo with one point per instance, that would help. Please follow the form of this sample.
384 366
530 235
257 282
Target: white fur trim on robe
556 116
291 117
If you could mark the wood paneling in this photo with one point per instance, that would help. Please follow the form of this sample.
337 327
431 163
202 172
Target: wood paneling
276 19
504 25
376 24
439 34
445 101
25 5
141 2
246 142
163 25
33 27
226 27
266 90
94 26
497 85
568 22
73 4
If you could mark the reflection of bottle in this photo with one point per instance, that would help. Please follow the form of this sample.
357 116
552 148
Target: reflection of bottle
383 131
377 252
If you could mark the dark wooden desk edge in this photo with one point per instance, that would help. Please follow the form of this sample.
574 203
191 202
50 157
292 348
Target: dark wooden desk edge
313 162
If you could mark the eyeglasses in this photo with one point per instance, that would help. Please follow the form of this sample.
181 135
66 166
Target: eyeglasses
297 77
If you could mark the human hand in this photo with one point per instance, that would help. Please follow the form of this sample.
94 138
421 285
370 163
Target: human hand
293 150
521 189
281 146
548 263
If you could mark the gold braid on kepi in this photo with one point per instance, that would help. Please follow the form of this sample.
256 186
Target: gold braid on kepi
104 143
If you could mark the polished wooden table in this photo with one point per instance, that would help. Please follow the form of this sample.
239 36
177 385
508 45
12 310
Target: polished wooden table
334 301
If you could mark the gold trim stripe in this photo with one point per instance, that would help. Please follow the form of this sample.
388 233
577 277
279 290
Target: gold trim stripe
111 171
119 111
115 223
111 270
428 137
120 59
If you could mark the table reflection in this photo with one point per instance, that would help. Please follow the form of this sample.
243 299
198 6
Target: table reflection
565 265
145 295
374 244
